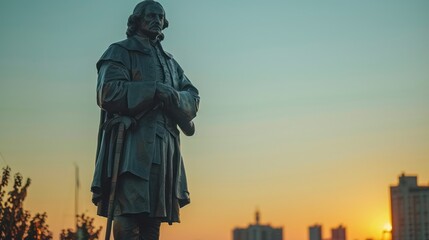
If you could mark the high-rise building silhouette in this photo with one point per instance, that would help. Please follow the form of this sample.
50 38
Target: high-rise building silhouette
409 209
315 232
338 233
258 231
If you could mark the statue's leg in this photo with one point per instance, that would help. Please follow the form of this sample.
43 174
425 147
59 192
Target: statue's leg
126 227
149 228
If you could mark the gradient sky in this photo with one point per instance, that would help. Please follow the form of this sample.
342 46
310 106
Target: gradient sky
309 109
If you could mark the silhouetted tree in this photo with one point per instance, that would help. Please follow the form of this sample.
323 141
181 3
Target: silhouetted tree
14 220
38 228
85 230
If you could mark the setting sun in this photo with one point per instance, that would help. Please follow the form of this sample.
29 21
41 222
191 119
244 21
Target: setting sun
387 227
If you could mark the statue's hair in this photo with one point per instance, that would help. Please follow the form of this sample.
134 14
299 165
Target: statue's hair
135 18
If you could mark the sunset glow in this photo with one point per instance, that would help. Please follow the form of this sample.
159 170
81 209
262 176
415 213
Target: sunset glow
387 227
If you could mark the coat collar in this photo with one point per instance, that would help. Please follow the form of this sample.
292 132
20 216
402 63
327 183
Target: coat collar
140 45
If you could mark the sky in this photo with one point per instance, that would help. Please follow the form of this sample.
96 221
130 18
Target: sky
309 109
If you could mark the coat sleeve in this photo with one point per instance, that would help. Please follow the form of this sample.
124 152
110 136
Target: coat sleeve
116 92
189 99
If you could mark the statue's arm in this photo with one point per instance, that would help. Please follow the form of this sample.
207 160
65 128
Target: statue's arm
188 101
116 93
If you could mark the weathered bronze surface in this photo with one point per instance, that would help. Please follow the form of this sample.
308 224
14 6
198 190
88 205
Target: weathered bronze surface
142 88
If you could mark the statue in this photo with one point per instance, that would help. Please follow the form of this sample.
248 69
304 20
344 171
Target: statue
144 95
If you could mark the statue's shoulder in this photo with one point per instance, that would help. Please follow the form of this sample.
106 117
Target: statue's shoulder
127 44
117 52
133 44
169 55
117 49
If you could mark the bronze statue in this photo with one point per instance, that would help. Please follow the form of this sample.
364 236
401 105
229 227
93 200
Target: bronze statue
144 95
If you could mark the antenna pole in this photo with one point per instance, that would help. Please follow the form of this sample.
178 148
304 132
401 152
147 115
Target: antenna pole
76 195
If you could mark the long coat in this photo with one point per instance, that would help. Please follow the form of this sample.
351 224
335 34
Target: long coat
126 86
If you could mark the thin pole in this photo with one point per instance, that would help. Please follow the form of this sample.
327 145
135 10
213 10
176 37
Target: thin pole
76 195
117 159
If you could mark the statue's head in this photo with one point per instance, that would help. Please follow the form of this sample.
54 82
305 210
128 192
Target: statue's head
148 18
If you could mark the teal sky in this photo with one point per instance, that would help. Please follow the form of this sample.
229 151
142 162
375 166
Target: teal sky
309 109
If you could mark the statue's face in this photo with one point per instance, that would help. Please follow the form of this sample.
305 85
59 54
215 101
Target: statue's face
153 19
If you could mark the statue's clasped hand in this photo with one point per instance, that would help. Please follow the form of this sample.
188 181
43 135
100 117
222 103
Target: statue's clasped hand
168 95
